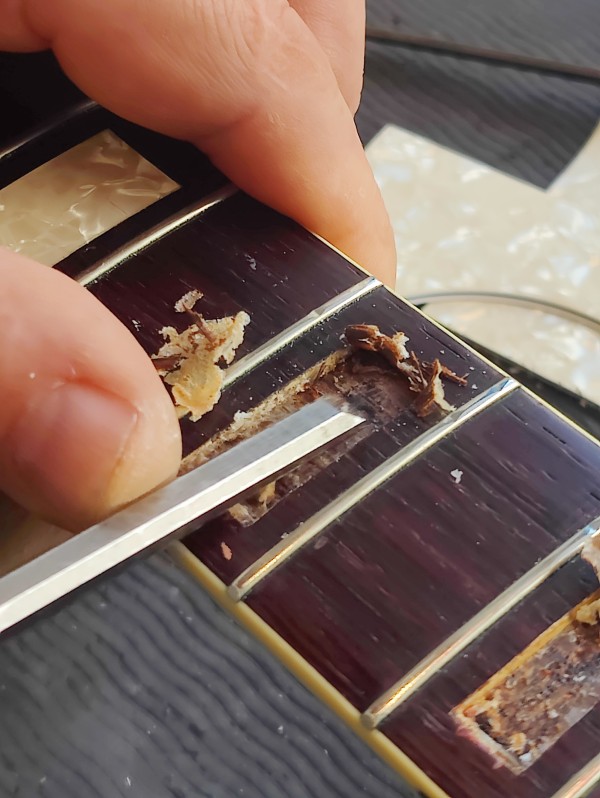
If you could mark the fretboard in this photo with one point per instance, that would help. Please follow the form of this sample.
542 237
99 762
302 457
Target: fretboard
399 571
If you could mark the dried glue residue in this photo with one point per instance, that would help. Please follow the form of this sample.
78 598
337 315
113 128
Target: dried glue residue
190 361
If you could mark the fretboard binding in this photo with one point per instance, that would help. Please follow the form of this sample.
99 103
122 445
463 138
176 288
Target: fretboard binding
295 331
307 531
443 654
141 242
582 782
43 130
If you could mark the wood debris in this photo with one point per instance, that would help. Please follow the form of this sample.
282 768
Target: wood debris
226 551
591 554
190 362
456 475
589 614
424 379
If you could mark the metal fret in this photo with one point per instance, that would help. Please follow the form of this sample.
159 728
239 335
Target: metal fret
295 331
307 531
43 130
443 654
101 268
583 782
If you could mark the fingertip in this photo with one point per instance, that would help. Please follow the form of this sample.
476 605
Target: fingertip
16 34
86 424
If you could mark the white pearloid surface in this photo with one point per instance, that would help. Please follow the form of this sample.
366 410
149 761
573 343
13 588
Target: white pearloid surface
66 203
463 226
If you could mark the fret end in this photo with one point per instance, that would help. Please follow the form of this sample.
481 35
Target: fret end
369 720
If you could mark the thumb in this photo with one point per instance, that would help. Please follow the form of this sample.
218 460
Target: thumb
85 423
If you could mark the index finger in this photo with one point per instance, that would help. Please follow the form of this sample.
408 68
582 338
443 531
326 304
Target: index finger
246 82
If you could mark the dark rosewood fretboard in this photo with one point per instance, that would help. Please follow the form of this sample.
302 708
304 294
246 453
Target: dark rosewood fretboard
409 567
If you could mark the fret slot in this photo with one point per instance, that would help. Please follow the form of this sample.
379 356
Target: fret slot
527 706
309 530
450 648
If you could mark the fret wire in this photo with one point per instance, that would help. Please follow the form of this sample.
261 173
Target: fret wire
136 245
443 654
582 782
43 130
308 530
294 331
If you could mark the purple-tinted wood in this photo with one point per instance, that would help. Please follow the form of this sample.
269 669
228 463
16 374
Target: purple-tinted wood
424 729
382 397
381 588
380 307
390 430
175 204
241 256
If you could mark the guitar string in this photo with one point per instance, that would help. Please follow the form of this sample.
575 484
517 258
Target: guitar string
493 297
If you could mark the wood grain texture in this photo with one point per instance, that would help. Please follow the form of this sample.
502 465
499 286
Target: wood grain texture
539 695
391 314
424 729
394 577
243 256
230 255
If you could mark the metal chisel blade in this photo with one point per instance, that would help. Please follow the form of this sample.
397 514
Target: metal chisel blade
186 503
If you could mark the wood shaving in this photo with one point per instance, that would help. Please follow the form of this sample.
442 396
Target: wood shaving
188 301
589 614
190 361
456 475
226 551
424 379
261 504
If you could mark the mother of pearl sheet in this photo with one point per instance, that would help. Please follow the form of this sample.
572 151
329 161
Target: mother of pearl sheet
74 198
463 226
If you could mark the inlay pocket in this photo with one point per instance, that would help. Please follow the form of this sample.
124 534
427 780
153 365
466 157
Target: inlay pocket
528 705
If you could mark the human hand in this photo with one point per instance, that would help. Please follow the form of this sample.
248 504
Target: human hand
267 89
